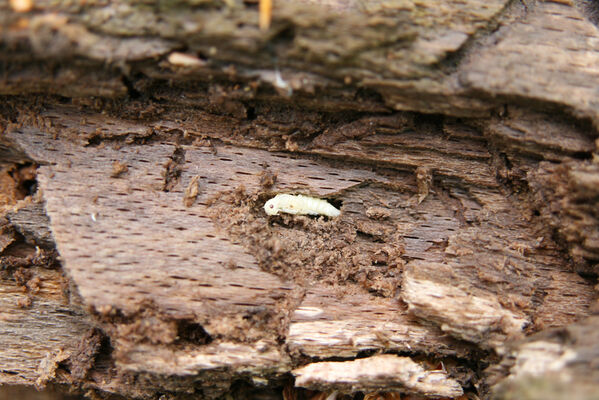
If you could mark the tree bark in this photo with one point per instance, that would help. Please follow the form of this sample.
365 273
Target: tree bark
140 142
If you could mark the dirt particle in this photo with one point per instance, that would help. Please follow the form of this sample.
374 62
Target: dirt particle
204 141
106 310
24 302
21 277
290 144
231 264
118 169
268 178
34 284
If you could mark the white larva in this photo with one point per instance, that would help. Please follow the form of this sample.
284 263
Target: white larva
299 204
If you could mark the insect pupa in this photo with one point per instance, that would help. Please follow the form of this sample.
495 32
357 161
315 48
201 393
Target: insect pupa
300 204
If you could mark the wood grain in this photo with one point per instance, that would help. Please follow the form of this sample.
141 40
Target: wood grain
31 335
458 138
550 56
327 326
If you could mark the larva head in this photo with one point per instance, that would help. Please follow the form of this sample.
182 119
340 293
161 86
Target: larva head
270 207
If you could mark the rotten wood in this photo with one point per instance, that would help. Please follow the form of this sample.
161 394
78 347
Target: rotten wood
552 364
141 142
36 327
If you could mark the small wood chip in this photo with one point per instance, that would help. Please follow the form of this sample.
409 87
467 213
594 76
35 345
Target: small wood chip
378 213
386 370
118 169
424 180
192 191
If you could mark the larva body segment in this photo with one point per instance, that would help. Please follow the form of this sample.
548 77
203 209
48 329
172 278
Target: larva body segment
299 204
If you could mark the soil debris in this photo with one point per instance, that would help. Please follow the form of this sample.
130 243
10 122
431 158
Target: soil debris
306 249
118 169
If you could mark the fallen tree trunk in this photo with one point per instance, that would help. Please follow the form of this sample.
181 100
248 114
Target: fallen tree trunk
141 141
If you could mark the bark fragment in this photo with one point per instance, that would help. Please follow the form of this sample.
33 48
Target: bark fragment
371 373
433 293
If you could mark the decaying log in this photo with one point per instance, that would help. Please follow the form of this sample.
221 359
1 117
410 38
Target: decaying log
140 141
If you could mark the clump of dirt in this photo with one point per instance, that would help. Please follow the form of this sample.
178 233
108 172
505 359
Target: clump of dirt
118 169
350 250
